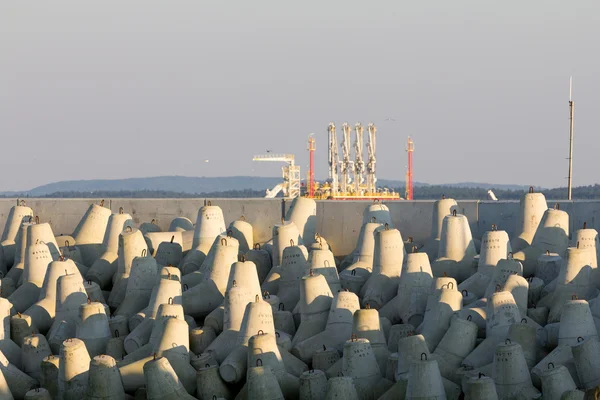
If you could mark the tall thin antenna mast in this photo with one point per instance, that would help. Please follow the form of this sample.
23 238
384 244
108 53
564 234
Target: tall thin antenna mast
571 123
410 148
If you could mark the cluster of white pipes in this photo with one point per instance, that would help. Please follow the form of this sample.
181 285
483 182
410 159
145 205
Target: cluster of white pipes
347 175
201 311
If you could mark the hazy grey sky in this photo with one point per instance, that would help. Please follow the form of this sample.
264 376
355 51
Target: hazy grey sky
114 89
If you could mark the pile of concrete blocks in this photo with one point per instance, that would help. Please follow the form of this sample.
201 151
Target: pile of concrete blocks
119 311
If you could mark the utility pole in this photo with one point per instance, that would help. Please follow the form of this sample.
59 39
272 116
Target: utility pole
571 124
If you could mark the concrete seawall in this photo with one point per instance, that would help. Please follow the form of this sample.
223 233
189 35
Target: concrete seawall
338 221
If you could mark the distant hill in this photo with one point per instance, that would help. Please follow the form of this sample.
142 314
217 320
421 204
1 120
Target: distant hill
152 194
176 184
186 185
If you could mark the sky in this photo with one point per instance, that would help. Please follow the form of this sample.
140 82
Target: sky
118 89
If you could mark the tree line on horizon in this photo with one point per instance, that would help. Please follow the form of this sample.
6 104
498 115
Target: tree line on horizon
433 192
463 193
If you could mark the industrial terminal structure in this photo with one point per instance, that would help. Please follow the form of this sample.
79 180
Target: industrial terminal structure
349 179
290 174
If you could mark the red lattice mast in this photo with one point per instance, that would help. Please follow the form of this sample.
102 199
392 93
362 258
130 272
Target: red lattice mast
311 167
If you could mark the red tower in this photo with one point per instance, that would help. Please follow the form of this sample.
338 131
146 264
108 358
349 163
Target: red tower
311 167
410 148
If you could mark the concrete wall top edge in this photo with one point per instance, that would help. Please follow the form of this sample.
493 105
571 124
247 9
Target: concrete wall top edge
339 221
